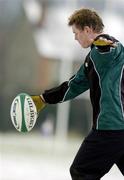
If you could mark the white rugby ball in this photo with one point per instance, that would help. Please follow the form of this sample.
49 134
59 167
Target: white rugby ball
23 112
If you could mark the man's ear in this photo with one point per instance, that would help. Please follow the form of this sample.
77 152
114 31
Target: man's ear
87 29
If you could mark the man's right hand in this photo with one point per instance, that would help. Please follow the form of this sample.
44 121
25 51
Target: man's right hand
39 102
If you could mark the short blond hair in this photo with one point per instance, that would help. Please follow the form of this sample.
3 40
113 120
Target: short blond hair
86 17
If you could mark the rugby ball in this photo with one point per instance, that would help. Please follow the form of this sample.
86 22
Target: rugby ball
23 113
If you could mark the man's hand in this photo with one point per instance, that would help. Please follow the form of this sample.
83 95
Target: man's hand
39 102
104 42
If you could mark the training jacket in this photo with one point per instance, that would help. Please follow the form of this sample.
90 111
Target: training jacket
103 74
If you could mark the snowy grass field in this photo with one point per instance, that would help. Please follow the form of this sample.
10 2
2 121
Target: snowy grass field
31 156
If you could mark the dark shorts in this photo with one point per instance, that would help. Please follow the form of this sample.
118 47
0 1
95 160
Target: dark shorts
99 151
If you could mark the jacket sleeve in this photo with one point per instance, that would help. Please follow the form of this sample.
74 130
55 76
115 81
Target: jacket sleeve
76 85
106 58
102 46
104 55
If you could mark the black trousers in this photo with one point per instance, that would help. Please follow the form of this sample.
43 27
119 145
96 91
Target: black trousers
99 151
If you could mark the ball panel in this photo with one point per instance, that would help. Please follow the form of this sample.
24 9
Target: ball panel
30 112
16 114
22 99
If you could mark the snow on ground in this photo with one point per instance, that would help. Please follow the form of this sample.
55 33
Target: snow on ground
32 157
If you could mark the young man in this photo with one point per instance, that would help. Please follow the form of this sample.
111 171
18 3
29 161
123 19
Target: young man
102 73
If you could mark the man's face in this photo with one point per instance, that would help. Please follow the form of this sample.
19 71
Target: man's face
84 37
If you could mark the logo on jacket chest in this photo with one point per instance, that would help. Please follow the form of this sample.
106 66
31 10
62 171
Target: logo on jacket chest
86 64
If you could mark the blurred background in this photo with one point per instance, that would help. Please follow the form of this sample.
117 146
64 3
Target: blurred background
38 52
